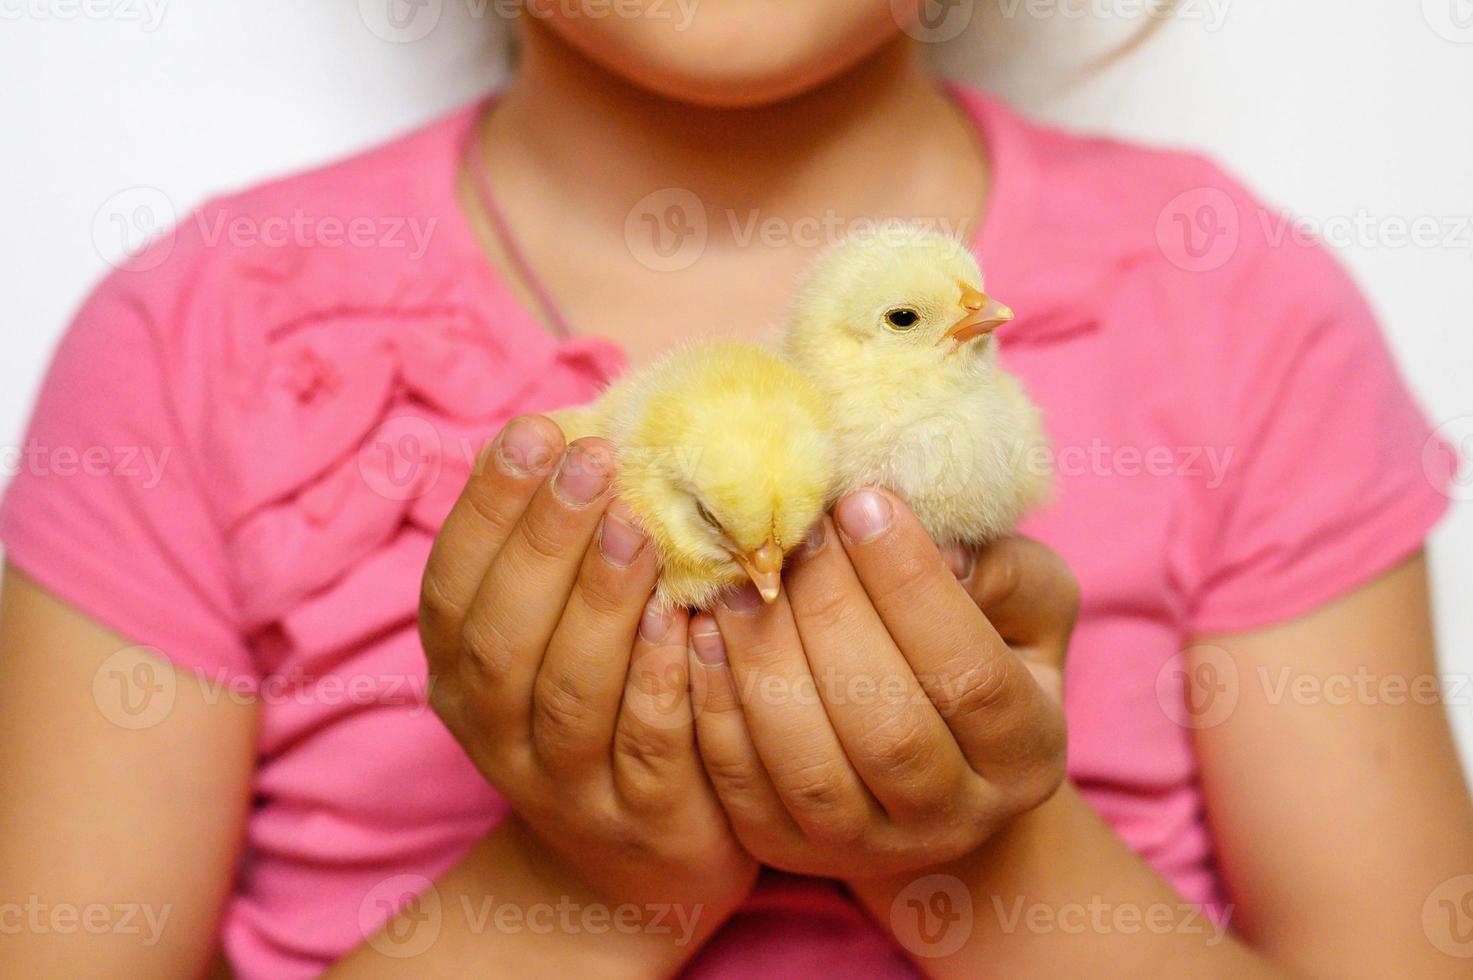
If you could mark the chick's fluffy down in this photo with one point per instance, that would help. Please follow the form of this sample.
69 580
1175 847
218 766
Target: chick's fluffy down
723 431
937 420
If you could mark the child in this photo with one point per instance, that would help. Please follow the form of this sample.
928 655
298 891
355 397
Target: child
214 708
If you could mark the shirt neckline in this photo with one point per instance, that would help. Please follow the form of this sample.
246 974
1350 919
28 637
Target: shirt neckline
998 246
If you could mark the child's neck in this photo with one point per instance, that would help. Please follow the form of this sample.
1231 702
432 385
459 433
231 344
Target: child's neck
852 144
572 149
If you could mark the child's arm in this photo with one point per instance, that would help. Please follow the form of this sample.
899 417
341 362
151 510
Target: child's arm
1340 823
1337 803
511 871
119 845
121 804
106 804
530 625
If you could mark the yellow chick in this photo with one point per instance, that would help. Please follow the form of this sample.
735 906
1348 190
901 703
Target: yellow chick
894 330
724 458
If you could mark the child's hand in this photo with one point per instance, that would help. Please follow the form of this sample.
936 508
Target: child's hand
566 691
872 720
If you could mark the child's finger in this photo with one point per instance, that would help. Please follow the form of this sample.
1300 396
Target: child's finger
518 605
889 728
987 695
654 739
1029 594
576 694
785 715
508 473
727 750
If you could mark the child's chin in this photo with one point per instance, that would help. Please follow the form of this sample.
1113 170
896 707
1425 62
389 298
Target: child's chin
715 84
740 56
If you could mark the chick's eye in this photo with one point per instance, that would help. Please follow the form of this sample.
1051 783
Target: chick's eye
902 319
706 515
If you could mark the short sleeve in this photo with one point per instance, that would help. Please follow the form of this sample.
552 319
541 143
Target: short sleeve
107 508
1336 475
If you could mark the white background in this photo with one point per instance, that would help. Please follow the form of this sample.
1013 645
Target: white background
1355 115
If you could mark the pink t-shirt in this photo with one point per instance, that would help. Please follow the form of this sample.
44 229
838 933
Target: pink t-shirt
249 437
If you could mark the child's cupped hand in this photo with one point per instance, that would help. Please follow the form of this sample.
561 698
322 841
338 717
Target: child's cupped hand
890 711
874 720
567 691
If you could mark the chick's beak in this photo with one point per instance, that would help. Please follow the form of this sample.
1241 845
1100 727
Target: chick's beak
764 567
984 315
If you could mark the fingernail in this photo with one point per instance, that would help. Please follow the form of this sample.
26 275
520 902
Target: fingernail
709 648
522 449
742 599
960 560
655 621
863 516
811 544
581 477
619 541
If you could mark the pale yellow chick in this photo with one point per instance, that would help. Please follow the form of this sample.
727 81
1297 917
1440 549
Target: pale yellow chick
895 331
725 459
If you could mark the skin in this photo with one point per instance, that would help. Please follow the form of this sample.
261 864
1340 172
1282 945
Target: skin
795 166
1334 822
573 694
922 740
